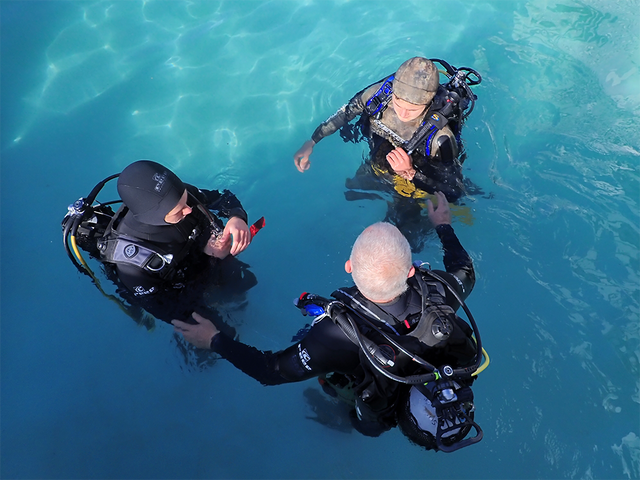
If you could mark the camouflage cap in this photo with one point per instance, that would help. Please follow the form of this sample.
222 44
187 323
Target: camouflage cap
416 81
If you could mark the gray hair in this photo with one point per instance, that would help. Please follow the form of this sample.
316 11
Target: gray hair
380 262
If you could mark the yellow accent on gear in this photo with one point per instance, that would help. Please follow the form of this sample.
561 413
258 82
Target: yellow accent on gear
407 189
113 298
484 365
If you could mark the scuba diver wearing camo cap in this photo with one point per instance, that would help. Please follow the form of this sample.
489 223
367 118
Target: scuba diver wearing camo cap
412 124
418 137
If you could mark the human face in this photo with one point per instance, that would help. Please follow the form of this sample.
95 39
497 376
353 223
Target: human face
406 111
180 211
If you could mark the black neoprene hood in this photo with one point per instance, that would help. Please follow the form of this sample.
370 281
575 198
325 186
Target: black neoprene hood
150 190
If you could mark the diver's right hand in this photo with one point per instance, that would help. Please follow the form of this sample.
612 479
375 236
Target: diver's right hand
301 157
200 334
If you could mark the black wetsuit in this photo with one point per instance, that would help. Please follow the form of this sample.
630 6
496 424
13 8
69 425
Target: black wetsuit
187 286
326 349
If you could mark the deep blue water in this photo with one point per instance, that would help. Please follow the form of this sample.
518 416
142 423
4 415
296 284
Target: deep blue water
224 93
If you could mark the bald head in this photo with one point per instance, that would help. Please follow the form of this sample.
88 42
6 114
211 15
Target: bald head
380 262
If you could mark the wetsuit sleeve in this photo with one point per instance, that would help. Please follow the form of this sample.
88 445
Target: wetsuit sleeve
430 185
262 366
456 260
324 349
224 204
347 113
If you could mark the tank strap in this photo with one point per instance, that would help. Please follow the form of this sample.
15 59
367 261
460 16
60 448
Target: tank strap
435 325
360 305
436 118
433 293
379 101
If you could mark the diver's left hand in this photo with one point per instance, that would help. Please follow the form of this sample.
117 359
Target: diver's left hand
199 335
401 164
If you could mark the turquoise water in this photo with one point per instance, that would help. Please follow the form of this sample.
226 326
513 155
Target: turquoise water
224 93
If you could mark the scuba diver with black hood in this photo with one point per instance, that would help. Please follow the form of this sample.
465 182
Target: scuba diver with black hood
412 124
392 345
166 246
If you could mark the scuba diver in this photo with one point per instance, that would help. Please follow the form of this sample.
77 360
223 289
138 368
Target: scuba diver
412 124
392 345
166 248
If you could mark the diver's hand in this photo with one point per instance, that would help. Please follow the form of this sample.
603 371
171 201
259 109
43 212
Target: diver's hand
239 230
234 239
401 164
301 157
199 335
440 215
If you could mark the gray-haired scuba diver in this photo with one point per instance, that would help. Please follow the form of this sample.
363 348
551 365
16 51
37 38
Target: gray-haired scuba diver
395 331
